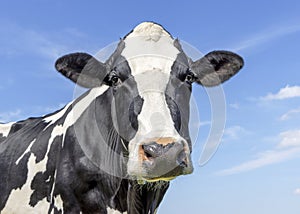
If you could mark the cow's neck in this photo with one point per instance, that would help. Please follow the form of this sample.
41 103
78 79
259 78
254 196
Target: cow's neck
98 168
97 137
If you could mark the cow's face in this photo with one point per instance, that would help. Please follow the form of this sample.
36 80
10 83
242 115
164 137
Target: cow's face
151 79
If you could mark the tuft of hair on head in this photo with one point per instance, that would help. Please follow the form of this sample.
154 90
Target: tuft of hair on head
149 30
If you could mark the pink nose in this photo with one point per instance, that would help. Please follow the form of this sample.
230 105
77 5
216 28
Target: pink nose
166 148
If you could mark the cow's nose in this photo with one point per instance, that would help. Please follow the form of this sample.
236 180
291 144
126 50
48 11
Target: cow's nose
173 152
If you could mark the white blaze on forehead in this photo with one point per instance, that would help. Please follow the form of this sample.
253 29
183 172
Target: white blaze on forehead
150 53
149 46
154 120
5 129
155 117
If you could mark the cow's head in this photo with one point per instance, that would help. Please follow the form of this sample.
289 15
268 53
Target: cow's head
151 79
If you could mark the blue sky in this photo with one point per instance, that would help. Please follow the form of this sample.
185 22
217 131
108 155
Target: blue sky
256 167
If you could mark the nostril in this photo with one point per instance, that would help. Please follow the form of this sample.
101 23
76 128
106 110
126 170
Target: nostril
181 159
152 150
168 147
148 155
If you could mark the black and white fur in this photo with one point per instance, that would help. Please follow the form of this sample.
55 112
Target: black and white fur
99 154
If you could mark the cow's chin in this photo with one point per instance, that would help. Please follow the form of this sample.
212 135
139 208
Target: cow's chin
151 180
148 179
145 174
143 180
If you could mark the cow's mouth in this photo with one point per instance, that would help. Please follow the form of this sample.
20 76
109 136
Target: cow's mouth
150 180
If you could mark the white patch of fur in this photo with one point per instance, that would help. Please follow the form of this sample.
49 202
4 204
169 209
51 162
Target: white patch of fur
25 152
77 109
155 118
147 56
150 53
74 114
57 131
149 30
80 107
113 211
58 202
5 129
18 201
53 118
144 54
21 196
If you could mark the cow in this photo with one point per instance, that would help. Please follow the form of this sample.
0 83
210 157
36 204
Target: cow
115 148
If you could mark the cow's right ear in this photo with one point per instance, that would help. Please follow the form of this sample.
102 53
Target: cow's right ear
83 69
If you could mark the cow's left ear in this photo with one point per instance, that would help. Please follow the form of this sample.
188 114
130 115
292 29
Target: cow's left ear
83 69
216 67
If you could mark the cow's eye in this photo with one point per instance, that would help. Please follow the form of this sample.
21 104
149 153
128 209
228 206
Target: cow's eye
115 80
190 78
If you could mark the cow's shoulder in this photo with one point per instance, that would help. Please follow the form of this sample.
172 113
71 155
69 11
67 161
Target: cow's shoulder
93 190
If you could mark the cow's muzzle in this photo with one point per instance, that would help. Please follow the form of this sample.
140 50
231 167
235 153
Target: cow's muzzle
165 159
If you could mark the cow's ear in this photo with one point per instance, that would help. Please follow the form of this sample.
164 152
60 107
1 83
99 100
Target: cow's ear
82 68
216 67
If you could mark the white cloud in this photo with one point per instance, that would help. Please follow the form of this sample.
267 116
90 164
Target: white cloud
18 40
234 105
264 159
44 46
297 191
284 93
289 138
234 133
289 114
288 148
266 36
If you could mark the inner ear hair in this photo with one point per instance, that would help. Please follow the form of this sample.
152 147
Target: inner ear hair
82 68
216 67
225 59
